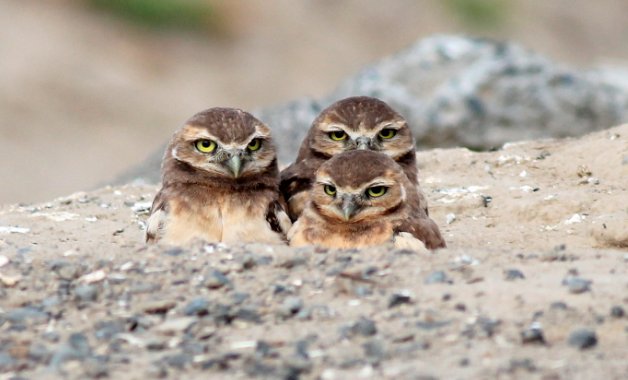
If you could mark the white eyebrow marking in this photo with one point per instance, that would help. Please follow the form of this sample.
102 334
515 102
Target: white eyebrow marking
173 152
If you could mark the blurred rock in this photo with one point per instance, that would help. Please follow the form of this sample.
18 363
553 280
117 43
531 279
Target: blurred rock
461 91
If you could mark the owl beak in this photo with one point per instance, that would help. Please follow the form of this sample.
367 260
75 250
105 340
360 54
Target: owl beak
348 206
363 143
235 165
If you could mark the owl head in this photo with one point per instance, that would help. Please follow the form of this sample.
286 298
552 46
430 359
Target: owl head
223 144
359 123
358 185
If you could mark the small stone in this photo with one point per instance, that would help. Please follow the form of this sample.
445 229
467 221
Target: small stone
68 271
9 281
7 363
521 364
80 343
198 306
106 330
399 298
178 361
175 326
533 334
617 312
437 277
558 305
577 285
27 314
93 277
450 218
249 314
51 336
374 351
215 279
364 327
176 251
290 307
86 293
583 338
39 353
95 368
158 306
157 371
513 274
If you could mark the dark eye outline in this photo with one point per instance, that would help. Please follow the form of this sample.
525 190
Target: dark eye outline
372 192
210 148
384 133
334 135
329 190
254 145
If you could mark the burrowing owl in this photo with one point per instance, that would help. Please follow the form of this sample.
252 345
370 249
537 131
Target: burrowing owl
219 183
361 199
356 123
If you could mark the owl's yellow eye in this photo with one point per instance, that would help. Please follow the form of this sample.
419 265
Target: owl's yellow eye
387 133
254 145
376 191
205 146
337 135
330 190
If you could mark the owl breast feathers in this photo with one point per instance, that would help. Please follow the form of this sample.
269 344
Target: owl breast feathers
363 198
219 183
356 123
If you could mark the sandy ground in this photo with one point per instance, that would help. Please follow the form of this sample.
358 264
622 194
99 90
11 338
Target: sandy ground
84 96
533 284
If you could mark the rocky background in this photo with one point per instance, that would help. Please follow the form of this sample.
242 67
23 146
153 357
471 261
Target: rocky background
91 88
461 91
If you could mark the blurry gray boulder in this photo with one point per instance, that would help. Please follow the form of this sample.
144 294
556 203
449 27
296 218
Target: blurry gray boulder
462 91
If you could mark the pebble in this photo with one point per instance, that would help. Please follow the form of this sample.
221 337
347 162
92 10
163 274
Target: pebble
7 363
25 315
86 293
215 279
178 361
198 306
364 327
437 277
175 326
95 368
399 298
290 306
577 285
106 330
68 271
450 218
158 306
558 305
582 339
513 274
533 334
374 351
617 311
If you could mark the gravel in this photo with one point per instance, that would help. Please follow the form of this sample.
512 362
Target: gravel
583 339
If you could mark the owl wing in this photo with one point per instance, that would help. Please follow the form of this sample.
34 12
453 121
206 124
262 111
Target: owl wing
156 220
423 229
294 184
277 218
